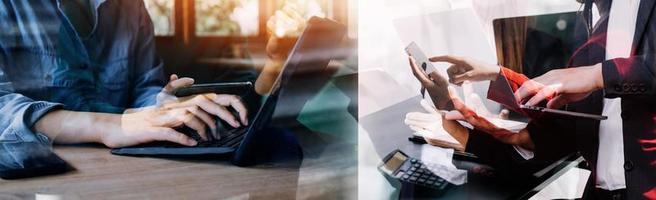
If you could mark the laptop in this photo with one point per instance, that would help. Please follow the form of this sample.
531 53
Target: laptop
534 45
310 55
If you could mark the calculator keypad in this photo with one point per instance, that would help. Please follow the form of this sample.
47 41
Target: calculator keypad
422 174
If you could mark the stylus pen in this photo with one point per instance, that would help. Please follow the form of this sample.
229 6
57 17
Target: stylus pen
423 89
423 92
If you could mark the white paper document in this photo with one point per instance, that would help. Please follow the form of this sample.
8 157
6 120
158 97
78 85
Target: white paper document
568 186
441 159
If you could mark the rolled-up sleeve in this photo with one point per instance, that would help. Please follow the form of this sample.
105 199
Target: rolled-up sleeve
23 151
149 67
20 113
25 113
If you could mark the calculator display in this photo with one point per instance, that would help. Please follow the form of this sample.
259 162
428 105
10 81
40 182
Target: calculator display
395 162
401 170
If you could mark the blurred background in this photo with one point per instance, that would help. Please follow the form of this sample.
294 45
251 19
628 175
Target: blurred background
224 40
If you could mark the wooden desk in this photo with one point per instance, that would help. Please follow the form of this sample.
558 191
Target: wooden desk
101 175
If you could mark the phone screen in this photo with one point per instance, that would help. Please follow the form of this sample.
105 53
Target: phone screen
422 60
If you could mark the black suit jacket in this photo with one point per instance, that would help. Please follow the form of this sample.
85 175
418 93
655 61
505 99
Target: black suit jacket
633 79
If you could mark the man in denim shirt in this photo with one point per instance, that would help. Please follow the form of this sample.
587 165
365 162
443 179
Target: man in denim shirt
75 71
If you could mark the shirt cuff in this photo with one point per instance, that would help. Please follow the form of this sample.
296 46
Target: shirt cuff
34 113
526 154
37 110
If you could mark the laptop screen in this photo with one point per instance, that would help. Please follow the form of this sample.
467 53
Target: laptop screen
311 53
307 68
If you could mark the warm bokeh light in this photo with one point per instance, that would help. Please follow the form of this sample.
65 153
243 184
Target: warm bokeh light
227 17
161 13
289 19
245 18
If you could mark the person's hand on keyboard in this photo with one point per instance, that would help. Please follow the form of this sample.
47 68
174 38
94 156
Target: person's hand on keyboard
159 123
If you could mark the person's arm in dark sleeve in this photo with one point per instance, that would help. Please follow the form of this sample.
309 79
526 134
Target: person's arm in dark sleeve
551 137
504 158
633 76
149 68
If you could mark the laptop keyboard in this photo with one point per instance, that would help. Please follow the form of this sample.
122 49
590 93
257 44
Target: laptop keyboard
230 139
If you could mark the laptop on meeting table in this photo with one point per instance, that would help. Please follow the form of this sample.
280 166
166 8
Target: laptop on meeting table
312 53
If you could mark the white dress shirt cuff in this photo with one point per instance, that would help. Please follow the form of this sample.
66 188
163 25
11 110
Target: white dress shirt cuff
526 154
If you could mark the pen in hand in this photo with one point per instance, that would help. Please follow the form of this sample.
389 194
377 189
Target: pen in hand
423 89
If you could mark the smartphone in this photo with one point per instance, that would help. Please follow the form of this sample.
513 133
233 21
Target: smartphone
422 60
234 88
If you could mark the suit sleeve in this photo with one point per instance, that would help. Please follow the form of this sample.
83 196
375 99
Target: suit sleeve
551 139
502 157
633 76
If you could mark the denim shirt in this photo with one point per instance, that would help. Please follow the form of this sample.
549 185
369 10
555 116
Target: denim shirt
45 65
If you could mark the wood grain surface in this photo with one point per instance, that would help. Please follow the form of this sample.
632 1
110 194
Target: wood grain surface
327 171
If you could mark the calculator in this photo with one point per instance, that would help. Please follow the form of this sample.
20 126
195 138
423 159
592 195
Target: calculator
397 166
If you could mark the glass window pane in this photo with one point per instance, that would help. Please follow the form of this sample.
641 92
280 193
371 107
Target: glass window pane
352 19
227 17
309 8
161 12
286 13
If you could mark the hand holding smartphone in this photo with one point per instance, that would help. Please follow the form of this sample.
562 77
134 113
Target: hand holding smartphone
413 50
438 88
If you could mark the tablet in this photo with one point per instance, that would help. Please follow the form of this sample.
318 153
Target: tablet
507 98
563 112
234 88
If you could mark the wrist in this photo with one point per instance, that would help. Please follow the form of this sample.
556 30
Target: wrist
455 129
70 127
50 124
524 140
597 71
494 73
105 126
